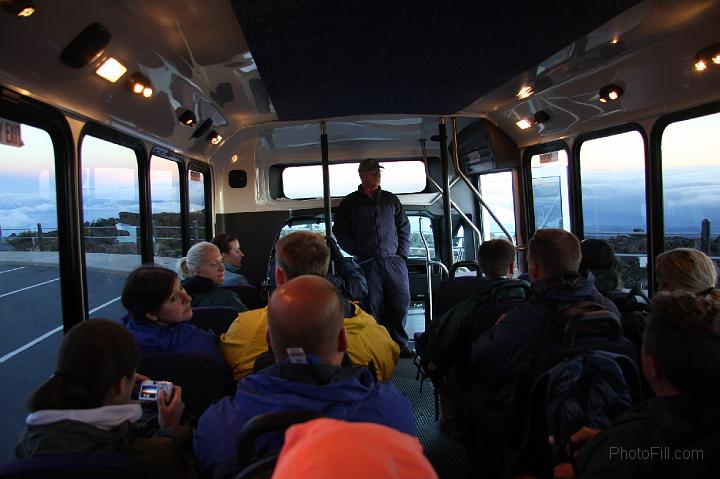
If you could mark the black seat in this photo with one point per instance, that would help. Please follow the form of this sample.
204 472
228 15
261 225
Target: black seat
76 466
260 466
201 380
453 290
214 318
249 294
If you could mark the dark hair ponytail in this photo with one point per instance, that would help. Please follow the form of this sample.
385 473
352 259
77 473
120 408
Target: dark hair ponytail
93 356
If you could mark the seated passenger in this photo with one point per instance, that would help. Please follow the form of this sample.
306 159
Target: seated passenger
686 269
85 405
159 315
330 449
553 262
681 361
308 340
232 255
599 258
305 253
202 272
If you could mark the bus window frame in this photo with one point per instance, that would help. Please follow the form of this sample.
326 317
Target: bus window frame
526 182
576 187
103 132
206 170
517 213
73 288
655 174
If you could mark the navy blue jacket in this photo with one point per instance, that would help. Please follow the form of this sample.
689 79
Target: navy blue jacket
500 348
372 227
342 393
184 337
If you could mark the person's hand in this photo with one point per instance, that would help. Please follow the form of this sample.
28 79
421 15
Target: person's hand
564 470
583 435
170 409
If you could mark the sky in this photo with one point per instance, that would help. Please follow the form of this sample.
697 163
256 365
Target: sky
611 167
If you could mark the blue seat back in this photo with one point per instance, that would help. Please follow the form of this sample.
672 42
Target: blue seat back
214 318
249 294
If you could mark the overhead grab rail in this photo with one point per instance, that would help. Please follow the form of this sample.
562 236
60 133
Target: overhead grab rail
452 183
456 161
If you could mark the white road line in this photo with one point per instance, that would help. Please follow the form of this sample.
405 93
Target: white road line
48 334
29 287
14 269
103 305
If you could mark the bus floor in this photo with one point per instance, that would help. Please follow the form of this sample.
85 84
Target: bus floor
447 456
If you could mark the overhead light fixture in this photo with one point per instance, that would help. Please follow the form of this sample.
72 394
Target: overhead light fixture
610 93
234 158
707 56
540 116
523 124
111 70
203 128
614 41
524 92
21 8
215 137
87 46
140 85
188 118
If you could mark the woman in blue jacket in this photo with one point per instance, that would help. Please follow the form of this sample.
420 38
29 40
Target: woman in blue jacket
159 315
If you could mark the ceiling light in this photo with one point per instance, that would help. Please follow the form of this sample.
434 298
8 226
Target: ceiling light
523 124
706 56
140 85
524 92
111 70
188 118
233 159
87 46
614 41
21 8
610 93
215 137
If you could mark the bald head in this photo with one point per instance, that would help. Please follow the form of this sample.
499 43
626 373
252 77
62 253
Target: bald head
306 312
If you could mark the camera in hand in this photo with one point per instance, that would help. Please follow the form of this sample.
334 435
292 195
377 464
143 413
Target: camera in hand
149 390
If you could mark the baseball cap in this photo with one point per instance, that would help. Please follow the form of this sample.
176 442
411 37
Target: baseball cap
369 164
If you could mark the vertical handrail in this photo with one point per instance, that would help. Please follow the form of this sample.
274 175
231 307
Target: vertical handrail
446 237
456 160
326 184
428 276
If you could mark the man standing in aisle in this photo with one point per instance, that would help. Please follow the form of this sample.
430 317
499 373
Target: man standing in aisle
371 225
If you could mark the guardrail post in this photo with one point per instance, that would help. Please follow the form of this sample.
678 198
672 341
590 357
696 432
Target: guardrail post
40 236
705 236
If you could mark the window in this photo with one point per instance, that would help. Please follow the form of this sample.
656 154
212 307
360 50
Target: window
550 190
111 215
421 227
165 194
497 191
30 301
691 182
301 182
196 193
613 200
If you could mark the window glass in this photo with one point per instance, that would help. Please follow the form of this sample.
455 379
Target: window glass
497 191
613 200
196 190
691 182
421 226
306 181
165 194
111 215
30 300
550 190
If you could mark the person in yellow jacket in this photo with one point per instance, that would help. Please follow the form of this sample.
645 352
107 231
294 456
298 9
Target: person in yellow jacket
299 254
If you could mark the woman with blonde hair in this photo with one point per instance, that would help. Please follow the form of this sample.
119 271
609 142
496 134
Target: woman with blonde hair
685 269
203 272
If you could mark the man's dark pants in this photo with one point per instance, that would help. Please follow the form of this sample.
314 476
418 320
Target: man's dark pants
389 294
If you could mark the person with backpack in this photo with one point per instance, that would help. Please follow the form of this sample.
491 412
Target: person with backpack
512 345
655 438
444 349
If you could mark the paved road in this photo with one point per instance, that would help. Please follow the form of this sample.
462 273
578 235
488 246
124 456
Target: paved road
30 333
